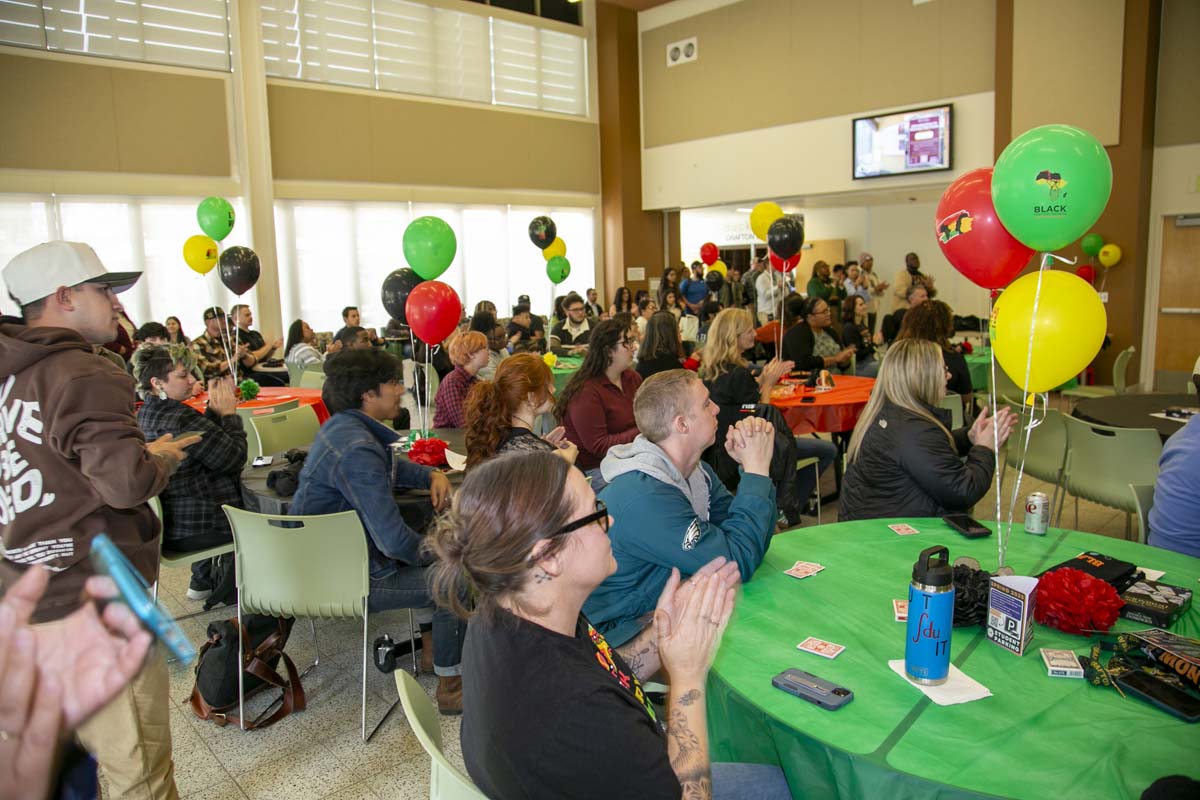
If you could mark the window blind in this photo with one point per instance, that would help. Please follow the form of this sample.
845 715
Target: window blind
189 33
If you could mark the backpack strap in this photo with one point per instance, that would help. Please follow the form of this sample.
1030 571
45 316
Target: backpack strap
293 698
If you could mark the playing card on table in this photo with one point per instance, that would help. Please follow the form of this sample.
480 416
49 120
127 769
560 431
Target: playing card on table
802 569
904 529
820 647
900 609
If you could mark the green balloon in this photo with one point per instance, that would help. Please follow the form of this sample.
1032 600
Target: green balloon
1091 244
215 216
429 246
557 269
1050 185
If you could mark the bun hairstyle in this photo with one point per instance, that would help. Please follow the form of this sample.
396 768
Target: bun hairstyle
490 404
482 544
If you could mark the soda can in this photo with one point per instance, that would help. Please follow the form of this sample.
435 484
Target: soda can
1037 513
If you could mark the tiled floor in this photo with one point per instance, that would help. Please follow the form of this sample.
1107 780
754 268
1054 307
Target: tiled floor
317 753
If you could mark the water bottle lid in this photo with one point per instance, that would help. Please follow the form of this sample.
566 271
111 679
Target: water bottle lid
931 570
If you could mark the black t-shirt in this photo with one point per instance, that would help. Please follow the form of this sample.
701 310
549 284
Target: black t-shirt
960 373
546 715
660 363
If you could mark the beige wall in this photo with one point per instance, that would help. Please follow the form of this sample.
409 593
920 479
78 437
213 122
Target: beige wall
1178 120
1066 65
330 134
66 115
764 63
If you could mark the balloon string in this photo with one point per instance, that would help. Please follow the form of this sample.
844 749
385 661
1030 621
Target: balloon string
412 341
428 388
1029 426
1002 531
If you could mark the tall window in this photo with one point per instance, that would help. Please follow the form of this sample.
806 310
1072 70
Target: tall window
127 234
188 33
401 46
333 255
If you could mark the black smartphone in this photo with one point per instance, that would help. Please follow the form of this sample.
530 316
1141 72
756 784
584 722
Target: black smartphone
809 399
967 526
1175 702
262 461
817 691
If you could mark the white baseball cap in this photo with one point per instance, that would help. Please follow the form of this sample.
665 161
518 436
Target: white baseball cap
40 270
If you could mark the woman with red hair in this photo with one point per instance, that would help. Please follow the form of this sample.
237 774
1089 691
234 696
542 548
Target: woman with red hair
501 414
468 353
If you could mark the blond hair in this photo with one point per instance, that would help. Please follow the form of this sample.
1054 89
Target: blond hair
913 377
721 351
659 400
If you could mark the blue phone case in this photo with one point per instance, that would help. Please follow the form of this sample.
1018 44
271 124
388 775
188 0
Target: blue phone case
817 691
135 593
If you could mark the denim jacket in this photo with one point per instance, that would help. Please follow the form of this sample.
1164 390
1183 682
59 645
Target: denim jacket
350 467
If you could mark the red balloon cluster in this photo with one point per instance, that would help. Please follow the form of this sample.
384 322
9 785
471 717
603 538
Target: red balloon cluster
972 237
709 253
433 311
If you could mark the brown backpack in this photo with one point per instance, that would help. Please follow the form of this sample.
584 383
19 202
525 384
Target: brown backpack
215 695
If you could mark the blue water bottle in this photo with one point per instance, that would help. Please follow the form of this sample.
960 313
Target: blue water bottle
930 618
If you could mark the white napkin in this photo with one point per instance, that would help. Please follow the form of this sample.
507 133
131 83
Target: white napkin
455 461
1153 574
958 688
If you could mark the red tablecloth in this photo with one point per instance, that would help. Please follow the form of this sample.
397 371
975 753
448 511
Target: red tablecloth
271 396
830 411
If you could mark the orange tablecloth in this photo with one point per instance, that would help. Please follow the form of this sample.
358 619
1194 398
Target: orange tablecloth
832 411
270 396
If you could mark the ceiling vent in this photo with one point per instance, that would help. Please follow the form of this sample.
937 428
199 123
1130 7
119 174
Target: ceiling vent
685 51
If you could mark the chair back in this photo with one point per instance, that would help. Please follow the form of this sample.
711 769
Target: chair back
294 371
314 566
279 432
1102 461
953 403
445 781
1047 446
312 379
1120 367
1006 388
266 411
1143 501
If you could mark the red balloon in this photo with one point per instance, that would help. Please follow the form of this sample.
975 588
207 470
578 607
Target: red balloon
433 311
781 265
709 254
971 235
1087 272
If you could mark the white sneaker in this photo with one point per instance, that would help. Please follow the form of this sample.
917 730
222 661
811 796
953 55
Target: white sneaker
199 594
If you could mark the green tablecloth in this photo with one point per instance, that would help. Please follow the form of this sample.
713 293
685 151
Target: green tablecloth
980 365
563 369
1036 737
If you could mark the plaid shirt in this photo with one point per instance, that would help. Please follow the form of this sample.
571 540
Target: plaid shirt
451 398
210 475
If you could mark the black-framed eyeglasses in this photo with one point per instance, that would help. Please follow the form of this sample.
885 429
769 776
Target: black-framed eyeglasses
630 343
599 515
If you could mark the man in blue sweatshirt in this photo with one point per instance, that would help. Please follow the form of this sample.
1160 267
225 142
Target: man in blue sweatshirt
350 467
669 509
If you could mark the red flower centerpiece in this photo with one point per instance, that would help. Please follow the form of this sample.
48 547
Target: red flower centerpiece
430 452
1074 602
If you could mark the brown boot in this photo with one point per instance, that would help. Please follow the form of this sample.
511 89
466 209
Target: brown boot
449 695
426 651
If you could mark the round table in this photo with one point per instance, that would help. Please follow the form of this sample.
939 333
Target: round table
979 363
1134 410
834 410
563 369
413 503
1035 737
271 396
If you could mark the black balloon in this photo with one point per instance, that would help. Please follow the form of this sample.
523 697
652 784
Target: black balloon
785 237
239 269
543 232
714 281
396 287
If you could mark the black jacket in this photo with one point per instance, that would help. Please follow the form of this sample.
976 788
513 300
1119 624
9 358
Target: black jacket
798 345
906 468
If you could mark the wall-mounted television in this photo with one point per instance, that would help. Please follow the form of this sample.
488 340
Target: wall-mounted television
903 142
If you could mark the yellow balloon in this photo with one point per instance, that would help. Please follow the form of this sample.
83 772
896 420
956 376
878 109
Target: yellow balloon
762 216
556 248
200 252
1067 333
1110 254
717 266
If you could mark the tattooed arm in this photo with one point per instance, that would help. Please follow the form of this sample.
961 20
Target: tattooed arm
687 740
641 653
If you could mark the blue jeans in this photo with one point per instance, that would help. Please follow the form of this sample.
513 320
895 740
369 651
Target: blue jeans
808 447
598 482
749 782
868 368
408 587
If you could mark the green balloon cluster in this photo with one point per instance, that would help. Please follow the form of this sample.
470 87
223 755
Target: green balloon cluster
1050 185
1091 244
429 246
215 216
558 269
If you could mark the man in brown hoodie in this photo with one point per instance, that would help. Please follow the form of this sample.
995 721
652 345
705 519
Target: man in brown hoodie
74 464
